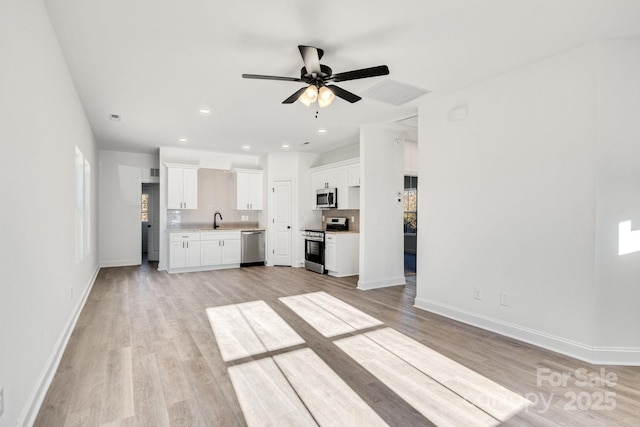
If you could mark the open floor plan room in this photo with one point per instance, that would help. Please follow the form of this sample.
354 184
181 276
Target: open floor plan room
285 346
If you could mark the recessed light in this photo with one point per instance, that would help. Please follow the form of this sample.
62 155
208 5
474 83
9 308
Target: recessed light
204 111
322 130
246 147
183 140
306 143
285 146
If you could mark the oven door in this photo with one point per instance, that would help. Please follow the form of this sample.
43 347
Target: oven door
314 251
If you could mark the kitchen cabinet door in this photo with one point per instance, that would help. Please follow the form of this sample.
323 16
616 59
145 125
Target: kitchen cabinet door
342 254
193 253
354 175
230 252
190 188
211 252
174 188
177 255
330 257
255 191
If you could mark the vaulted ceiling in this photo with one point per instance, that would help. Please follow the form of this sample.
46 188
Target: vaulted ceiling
155 64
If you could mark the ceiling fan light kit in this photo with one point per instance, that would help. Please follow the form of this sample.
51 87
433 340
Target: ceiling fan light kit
317 75
325 97
309 95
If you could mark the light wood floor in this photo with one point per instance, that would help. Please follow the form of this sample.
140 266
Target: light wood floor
143 353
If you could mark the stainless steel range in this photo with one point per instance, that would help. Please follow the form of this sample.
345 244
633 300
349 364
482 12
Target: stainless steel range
314 244
314 250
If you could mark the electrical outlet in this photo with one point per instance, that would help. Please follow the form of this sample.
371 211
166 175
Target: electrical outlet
504 299
353 219
1 401
477 293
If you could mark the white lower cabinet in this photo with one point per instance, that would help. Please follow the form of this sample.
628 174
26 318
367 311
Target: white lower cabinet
206 250
342 254
220 247
184 250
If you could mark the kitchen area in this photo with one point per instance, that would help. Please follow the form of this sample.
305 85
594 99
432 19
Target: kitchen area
219 218
213 218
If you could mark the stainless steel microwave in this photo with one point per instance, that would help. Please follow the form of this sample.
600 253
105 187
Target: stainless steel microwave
327 198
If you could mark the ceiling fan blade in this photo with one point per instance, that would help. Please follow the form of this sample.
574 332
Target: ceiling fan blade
344 94
293 98
311 57
262 77
380 70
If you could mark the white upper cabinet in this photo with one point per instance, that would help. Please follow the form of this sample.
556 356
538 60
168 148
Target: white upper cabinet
249 189
344 176
327 178
182 186
354 175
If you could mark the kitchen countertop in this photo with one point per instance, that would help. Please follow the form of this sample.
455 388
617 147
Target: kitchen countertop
196 228
342 232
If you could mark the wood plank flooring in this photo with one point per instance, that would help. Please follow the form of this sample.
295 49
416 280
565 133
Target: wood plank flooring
143 353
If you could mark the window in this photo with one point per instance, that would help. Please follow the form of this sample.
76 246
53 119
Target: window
410 204
82 205
144 207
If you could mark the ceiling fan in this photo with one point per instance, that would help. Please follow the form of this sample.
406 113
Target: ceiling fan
317 76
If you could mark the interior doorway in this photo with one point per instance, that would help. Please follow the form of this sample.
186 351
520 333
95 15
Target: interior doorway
410 224
150 222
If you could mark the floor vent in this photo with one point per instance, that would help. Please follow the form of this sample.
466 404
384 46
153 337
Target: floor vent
394 92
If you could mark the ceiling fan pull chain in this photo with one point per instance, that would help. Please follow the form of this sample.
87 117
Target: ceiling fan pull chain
316 114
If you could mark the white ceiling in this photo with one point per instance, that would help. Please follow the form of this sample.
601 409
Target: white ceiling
157 62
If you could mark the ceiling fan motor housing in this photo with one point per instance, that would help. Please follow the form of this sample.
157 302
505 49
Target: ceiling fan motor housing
325 72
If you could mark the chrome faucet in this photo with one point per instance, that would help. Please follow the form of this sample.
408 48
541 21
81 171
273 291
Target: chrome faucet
215 225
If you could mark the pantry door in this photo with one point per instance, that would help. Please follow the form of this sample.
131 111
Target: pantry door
281 223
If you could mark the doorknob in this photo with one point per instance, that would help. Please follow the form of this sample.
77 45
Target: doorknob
148 225
288 227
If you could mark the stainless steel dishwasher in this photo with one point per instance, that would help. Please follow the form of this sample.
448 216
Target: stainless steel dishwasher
252 247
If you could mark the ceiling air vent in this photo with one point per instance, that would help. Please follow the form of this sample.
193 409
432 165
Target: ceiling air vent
393 92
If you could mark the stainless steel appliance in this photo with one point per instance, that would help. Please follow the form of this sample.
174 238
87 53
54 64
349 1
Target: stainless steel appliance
314 244
337 224
327 198
252 247
314 250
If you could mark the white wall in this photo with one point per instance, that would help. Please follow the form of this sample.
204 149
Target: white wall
41 122
344 153
507 204
618 197
381 209
121 178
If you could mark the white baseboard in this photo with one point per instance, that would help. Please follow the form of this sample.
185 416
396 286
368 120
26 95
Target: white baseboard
375 284
30 410
119 263
623 356
594 355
